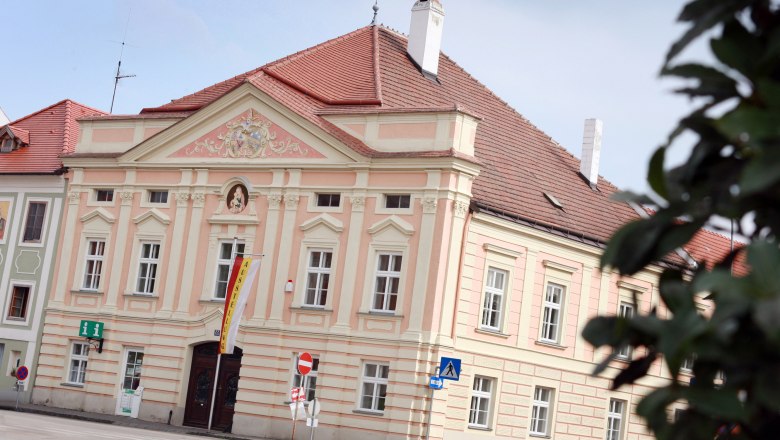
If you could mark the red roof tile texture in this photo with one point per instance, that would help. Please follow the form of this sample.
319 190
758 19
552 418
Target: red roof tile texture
51 132
707 247
519 162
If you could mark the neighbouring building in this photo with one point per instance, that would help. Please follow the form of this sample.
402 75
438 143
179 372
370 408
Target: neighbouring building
32 192
404 213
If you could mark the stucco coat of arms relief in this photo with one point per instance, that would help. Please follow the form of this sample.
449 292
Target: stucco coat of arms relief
249 136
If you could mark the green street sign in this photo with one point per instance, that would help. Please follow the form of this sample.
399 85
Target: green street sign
91 329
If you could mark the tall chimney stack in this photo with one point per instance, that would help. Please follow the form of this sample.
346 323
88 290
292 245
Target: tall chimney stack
425 33
591 151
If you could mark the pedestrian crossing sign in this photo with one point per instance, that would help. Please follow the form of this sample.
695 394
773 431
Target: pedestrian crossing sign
449 368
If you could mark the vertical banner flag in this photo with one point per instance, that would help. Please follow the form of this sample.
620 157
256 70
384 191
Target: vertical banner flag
241 278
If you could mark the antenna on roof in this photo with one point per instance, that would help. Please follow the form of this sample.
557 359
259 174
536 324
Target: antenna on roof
376 11
119 76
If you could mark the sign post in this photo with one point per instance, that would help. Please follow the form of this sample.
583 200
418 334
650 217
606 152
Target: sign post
305 363
21 375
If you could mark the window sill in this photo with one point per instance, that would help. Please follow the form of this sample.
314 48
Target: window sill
212 301
379 314
369 412
310 309
539 435
485 331
86 292
72 385
551 345
135 295
480 428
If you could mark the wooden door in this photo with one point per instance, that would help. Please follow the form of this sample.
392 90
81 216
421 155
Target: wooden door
201 387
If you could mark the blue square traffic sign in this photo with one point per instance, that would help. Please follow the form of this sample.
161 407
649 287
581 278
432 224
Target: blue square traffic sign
449 368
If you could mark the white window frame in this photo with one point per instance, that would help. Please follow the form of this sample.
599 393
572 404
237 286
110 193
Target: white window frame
539 405
320 272
615 416
378 382
330 194
307 382
388 275
221 262
480 396
625 309
687 364
151 192
44 223
548 308
98 261
148 261
77 362
491 293
139 366
401 196
7 219
96 192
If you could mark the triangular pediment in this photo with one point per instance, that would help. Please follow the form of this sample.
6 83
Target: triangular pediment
323 220
244 127
99 213
152 215
392 223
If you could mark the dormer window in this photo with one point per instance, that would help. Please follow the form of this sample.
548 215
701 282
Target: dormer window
8 145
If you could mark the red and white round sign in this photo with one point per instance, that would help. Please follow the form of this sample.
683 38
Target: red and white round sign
305 363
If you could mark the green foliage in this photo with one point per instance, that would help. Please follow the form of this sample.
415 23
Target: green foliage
733 172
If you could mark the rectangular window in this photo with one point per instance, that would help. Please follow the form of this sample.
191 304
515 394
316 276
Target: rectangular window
17 308
541 411
388 278
328 200
224 261
78 362
615 419
132 373
494 299
93 268
33 227
398 201
104 195
479 413
7 146
318 278
626 310
158 196
374 387
551 315
308 382
687 364
147 268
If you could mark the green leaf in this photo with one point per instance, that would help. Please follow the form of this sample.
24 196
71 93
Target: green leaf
758 124
674 292
715 403
601 331
737 48
653 407
712 82
655 173
769 92
636 369
760 173
704 15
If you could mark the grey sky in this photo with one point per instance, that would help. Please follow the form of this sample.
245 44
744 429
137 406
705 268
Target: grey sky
556 62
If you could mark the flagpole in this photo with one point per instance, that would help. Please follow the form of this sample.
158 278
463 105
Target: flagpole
233 253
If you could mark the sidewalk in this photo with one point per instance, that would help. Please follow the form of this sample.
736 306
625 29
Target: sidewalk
122 421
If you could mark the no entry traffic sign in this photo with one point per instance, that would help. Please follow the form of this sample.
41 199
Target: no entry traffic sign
305 363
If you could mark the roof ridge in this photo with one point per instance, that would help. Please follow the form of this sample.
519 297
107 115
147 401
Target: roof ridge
375 60
303 52
38 111
66 126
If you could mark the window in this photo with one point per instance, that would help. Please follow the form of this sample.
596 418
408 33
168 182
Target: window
551 317
397 201
224 261
540 411
33 228
147 268
132 373
308 382
480 402
678 414
104 195
156 196
374 387
94 264
318 278
687 364
615 419
626 310
327 200
388 277
7 146
494 299
17 308
78 362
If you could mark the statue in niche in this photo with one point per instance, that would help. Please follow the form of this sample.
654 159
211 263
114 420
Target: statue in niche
237 199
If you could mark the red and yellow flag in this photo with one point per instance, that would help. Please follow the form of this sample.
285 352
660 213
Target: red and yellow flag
241 278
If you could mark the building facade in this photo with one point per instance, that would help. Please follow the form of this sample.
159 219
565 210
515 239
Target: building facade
32 191
403 212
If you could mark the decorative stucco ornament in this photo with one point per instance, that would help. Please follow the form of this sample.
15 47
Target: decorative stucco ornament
249 137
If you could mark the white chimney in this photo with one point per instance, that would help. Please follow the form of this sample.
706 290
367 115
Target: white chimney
425 33
591 150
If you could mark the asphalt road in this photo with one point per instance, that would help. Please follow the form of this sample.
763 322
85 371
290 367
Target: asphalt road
27 426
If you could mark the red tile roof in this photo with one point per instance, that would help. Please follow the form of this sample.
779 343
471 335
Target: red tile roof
370 66
50 132
707 247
